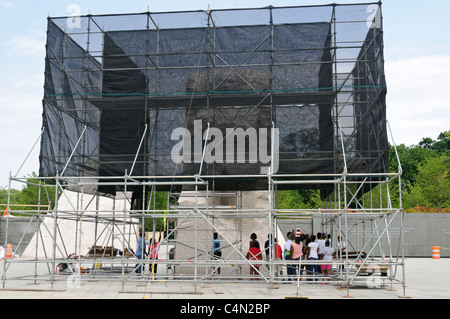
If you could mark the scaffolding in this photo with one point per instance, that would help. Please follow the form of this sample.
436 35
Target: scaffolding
314 72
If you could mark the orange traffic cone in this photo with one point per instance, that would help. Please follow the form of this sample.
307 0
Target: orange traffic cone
5 213
436 253
9 252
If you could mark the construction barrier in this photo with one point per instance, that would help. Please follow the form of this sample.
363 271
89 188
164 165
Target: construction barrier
436 252
9 252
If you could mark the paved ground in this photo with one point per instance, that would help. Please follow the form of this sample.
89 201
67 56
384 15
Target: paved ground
426 278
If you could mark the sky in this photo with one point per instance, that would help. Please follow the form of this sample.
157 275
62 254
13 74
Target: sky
417 66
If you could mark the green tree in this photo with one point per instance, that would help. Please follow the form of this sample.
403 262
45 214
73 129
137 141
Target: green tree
29 195
157 201
410 158
14 197
432 186
378 196
441 145
298 199
427 142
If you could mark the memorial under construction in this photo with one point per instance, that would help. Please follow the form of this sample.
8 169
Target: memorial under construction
176 126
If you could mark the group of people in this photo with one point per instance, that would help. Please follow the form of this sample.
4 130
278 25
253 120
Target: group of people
297 248
311 248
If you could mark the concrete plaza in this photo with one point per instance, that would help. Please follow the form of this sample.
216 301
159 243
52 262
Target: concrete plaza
426 278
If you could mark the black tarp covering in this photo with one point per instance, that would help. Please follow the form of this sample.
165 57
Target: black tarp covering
370 136
67 110
121 126
371 140
232 97
124 83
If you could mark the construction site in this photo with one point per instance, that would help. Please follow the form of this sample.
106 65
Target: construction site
176 126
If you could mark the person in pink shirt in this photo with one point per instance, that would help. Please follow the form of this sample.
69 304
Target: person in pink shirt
328 257
153 250
296 252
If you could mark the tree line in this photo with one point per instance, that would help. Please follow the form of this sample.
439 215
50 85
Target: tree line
426 174
32 196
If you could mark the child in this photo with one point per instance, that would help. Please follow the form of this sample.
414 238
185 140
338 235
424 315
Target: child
277 255
254 254
153 250
217 252
327 256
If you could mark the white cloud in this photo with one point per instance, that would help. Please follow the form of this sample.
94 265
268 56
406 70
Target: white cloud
21 113
31 43
6 4
21 109
418 101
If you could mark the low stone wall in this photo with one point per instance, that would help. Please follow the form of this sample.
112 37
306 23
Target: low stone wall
20 229
421 231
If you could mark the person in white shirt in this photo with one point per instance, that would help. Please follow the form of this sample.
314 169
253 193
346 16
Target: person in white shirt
287 246
312 254
321 242
328 257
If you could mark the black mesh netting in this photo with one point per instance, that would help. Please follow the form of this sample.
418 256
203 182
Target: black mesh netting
137 94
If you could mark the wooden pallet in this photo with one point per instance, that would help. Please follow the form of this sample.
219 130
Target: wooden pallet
369 269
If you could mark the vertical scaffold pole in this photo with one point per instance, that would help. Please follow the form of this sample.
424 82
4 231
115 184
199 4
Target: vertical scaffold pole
6 230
